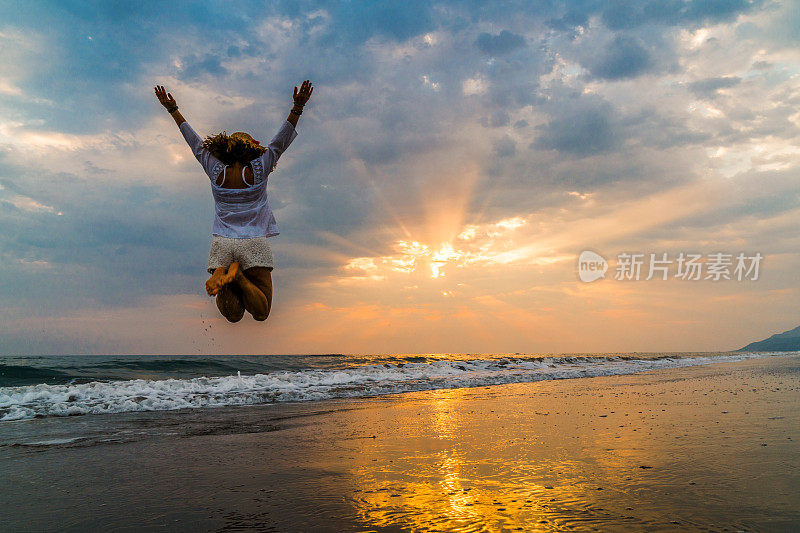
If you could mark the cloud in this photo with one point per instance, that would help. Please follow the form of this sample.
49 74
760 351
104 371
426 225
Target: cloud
708 87
239 51
500 44
570 21
505 147
356 22
627 14
623 57
193 67
580 127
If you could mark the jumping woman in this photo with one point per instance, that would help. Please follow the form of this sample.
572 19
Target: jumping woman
240 260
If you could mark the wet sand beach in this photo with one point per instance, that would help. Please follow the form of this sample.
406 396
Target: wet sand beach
706 448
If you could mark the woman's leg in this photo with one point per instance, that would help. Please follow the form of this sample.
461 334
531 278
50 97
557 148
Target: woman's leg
229 302
261 277
255 300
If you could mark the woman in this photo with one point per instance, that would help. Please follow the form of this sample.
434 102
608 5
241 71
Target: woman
240 260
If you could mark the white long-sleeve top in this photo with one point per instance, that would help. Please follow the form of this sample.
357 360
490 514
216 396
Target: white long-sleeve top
242 213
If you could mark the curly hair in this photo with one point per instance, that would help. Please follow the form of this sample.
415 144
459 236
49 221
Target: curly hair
237 147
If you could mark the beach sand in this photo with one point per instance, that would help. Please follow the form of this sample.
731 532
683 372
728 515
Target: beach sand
710 448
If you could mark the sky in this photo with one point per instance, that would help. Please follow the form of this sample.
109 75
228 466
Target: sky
454 161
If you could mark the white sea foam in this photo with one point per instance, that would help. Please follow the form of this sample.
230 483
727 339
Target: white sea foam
52 442
19 403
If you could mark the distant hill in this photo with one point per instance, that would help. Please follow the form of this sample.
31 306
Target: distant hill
788 341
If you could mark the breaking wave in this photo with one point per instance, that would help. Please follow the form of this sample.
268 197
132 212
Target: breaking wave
392 375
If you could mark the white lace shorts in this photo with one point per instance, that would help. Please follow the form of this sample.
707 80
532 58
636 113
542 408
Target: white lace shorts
248 252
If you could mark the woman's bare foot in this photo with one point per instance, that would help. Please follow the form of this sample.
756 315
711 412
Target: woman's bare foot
214 283
231 274
222 277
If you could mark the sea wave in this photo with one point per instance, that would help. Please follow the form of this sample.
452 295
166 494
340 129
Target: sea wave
106 396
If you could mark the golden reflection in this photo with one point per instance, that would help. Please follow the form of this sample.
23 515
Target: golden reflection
572 455
444 424
446 481
456 497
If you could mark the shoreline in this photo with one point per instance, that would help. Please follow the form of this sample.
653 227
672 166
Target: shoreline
272 380
711 446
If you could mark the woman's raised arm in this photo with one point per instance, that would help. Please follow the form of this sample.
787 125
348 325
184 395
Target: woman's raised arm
169 102
300 99
210 164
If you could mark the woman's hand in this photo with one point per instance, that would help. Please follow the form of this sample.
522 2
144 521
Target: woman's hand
169 102
165 98
302 96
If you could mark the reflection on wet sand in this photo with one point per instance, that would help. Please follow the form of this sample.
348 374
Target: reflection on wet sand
588 458
501 483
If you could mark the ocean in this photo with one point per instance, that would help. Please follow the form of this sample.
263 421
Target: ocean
57 386
564 442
